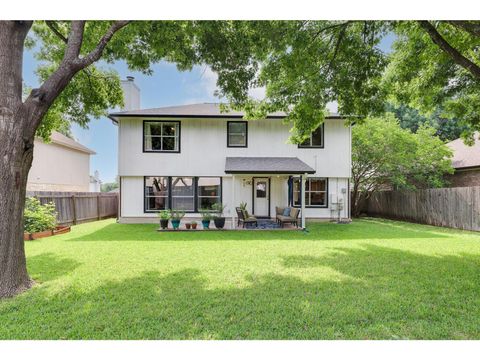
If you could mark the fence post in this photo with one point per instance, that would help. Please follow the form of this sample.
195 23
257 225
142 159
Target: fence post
98 206
74 207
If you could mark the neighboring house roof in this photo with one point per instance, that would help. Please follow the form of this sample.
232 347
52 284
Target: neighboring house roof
205 110
60 139
465 156
266 165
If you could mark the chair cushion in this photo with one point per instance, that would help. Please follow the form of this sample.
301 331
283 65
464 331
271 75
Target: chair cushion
284 218
294 213
286 211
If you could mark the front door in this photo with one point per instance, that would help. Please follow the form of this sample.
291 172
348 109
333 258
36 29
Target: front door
261 199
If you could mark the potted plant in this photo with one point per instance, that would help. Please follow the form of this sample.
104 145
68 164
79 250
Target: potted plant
218 218
176 216
206 216
164 216
187 226
194 224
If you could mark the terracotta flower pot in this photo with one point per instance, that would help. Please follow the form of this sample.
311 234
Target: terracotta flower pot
187 225
194 226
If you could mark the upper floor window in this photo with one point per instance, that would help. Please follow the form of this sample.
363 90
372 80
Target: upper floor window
237 134
316 139
161 136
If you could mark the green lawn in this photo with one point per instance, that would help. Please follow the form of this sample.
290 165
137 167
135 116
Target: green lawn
372 279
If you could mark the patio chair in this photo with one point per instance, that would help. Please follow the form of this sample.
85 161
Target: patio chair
291 219
244 218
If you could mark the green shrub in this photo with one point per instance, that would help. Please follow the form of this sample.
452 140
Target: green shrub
38 217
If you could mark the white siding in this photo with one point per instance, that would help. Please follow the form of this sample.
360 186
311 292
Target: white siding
204 148
132 198
203 152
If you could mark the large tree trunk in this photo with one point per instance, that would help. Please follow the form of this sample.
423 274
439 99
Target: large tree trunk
16 153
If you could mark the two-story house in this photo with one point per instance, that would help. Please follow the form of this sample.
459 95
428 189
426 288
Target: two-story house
191 156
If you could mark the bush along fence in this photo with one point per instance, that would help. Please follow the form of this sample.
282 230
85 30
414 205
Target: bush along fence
450 207
79 207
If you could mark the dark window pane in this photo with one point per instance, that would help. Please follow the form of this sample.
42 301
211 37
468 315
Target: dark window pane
182 186
317 185
237 134
261 189
317 136
155 128
317 198
183 203
156 203
306 142
156 186
156 143
168 144
237 127
169 129
208 186
237 140
207 203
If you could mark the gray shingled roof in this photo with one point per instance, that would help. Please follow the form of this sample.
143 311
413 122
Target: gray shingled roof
193 111
465 156
266 165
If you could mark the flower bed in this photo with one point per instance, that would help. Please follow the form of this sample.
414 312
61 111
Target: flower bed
38 235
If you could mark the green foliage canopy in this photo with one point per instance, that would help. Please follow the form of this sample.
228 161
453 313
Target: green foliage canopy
386 156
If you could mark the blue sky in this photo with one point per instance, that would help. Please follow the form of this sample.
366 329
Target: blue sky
167 86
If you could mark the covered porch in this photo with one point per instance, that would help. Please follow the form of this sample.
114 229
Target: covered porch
264 186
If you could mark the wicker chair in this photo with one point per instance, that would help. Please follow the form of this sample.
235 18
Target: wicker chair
244 218
282 219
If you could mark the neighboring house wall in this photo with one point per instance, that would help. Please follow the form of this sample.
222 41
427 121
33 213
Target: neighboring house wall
58 168
203 150
465 177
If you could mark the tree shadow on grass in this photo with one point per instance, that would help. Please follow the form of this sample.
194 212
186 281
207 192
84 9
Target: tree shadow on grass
48 266
387 294
317 231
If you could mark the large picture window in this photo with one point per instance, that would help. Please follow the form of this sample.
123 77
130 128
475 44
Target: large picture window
156 193
208 192
161 136
316 139
316 192
189 194
183 193
237 134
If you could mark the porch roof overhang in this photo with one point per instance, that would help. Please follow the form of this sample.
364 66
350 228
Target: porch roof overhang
266 165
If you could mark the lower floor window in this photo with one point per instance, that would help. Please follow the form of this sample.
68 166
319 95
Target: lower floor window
181 193
315 192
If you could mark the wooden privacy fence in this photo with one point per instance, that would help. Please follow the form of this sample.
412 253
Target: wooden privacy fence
78 207
451 207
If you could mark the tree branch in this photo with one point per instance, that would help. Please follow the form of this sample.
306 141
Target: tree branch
469 26
40 100
459 59
96 53
57 32
75 39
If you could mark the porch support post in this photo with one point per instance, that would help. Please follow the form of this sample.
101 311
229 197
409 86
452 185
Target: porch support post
233 201
303 178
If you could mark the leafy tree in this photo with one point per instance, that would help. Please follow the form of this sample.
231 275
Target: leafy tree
74 89
435 65
410 118
109 186
386 156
